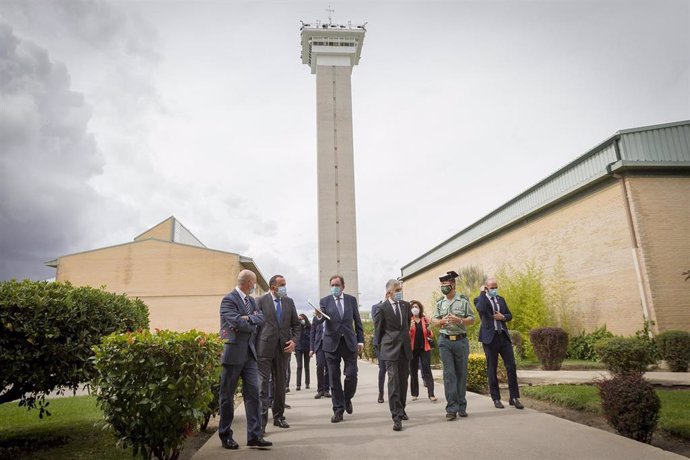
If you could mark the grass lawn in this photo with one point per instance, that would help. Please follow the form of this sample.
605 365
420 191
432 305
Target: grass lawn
675 404
70 432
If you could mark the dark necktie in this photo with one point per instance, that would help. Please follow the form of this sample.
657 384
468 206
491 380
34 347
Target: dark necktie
247 307
279 310
497 324
396 307
339 304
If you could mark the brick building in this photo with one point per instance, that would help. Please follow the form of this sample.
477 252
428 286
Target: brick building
181 280
617 216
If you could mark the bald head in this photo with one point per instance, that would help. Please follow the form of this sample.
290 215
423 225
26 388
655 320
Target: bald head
246 281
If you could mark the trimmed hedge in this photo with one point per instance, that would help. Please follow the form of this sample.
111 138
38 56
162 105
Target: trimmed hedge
550 345
630 405
47 331
154 389
623 355
674 348
583 345
477 379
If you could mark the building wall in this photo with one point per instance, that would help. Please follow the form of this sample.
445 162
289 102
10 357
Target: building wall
162 231
182 285
590 234
661 216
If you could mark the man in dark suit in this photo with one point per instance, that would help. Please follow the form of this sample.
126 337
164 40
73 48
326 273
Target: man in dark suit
276 339
382 363
316 348
343 338
392 332
493 334
239 319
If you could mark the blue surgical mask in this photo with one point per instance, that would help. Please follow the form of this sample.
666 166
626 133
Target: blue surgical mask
493 292
335 290
282 291
397 296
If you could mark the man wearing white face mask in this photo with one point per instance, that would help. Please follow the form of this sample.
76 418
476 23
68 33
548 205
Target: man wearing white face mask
391 329
276 340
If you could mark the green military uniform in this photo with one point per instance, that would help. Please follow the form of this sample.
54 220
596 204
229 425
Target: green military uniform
454 350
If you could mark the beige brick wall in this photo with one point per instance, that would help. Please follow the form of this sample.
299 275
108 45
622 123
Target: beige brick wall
182 285
661 210
591 235
162 231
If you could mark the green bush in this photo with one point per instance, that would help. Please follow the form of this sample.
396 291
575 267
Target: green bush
525 293
583 345
623 355
477 380
630 405
46 334
674 348
550 345
154 389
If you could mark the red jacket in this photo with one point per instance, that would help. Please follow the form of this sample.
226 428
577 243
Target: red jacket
426 332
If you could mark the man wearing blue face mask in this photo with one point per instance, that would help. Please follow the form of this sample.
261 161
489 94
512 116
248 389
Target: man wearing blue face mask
275 342
392 333
494 313
343 338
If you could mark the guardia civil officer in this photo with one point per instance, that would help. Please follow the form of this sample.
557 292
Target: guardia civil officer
453 313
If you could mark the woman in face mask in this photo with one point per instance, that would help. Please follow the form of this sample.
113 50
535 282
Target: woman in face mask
421 338
302 351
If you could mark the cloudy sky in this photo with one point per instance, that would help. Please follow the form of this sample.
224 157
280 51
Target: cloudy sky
117 114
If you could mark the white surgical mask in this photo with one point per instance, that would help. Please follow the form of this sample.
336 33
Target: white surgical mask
415 311
282 292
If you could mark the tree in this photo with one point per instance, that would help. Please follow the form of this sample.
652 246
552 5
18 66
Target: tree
46 334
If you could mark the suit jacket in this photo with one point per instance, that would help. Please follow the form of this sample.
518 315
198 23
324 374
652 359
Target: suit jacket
239 334
272 334
316 335
486 310
374 309
348 326
392 334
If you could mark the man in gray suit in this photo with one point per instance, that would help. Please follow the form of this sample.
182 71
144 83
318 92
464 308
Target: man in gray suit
239 319
392 333
277 338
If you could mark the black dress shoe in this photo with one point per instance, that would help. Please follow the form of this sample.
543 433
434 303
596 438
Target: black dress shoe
229 443
348 406
306 387
462 413
327 395
281 422
397 425
261 442
498 404
380 398
298 388
451 416
337 418
318 395
288 406
404 416
516 402
287 390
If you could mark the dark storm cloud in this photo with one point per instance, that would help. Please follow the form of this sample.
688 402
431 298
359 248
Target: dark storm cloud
47 157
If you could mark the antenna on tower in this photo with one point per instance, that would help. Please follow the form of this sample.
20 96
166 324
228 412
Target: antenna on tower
330 11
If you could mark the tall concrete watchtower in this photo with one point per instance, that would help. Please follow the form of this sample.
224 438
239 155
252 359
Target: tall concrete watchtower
331 50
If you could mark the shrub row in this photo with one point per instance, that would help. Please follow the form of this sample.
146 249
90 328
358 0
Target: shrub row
674 347
155 388
47 331
583 345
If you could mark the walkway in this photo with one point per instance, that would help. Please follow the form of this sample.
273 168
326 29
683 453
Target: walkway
487 433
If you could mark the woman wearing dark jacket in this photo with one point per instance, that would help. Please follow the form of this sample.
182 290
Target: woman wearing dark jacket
420 333
302 351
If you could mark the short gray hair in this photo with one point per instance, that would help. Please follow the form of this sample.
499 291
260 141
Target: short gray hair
391 284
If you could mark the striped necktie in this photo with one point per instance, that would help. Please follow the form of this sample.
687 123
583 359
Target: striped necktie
247 307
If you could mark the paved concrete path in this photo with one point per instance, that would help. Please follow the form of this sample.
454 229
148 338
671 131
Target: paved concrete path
538 377
487 433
